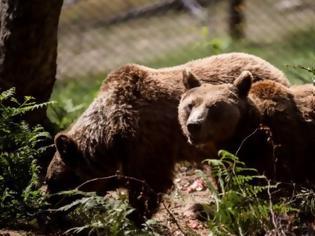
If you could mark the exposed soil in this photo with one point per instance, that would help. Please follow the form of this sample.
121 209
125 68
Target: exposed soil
177 212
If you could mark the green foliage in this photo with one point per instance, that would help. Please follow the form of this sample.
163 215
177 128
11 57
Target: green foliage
20 146
305 201
63 113
96 215
311 70
296 48
242 203
70 98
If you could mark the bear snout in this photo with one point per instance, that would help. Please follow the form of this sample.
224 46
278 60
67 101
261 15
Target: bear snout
194 127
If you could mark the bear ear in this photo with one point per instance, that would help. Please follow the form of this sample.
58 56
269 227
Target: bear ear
190 80
243 83
67 149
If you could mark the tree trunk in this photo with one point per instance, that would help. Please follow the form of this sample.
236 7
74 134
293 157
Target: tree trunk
236 20
28 49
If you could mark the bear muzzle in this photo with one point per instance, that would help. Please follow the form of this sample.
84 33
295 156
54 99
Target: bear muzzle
194 127
195 132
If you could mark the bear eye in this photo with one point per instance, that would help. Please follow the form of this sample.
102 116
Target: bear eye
215 116
189 107
215 112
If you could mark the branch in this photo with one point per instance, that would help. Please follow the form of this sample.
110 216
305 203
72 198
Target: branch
173 218
153 9
244 141
104 184
195 8
142 11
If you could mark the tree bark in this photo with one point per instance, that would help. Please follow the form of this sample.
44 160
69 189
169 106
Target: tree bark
236 20
28 49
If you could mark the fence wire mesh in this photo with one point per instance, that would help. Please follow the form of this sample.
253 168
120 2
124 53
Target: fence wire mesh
96 36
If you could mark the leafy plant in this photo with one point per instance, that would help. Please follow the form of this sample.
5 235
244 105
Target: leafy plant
310 70
305 200
71 98
96 215
242 202
20 147
63 113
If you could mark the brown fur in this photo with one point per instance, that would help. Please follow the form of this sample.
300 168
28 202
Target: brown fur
231 117
132 125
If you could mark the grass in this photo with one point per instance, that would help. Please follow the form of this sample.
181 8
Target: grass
298 49
88 46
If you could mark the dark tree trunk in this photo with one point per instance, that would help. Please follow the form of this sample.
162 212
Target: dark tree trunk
28 49
236 20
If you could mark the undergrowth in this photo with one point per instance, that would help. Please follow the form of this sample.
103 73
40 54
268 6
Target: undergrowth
20 147
70 98
98 215
245 203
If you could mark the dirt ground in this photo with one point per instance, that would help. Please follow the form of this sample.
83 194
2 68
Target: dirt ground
176 212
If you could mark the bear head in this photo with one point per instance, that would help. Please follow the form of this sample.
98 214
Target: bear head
210 113
72 165
61 174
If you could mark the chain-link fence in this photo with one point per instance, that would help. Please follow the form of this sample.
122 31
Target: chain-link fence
98 35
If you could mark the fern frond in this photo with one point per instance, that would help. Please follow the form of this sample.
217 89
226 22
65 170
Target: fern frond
20 147
5 95
240 207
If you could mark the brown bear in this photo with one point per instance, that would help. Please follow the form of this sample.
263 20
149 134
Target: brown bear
132 125
267 125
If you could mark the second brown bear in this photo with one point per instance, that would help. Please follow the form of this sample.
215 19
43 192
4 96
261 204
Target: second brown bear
269 126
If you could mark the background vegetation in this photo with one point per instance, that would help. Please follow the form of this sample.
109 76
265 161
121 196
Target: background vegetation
21 146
